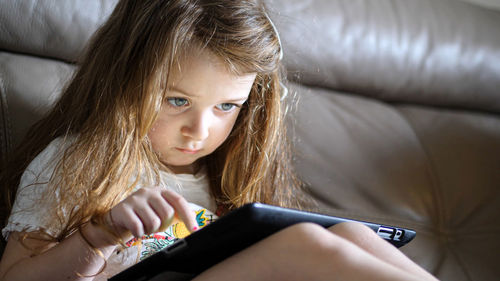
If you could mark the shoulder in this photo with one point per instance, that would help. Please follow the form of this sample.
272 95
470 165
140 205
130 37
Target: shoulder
39 172
29 211
52 151
46 160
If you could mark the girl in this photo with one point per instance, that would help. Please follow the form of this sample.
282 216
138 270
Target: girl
174 102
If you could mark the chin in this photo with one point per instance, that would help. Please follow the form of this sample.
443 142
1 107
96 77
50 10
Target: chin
178 164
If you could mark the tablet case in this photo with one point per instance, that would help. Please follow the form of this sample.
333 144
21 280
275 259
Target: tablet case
234 232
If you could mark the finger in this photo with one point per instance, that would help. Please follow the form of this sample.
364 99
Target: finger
149 218
182 208
166 223
161 207
131 223
164 211
119 232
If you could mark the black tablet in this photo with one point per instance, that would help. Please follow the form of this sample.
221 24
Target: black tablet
234 232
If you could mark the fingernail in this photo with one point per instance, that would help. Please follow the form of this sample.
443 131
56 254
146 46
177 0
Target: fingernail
195 228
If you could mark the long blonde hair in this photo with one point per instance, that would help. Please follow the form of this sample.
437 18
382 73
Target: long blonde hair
116 93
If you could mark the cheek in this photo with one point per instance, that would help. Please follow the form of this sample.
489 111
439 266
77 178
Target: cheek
158 132
153 138
226 129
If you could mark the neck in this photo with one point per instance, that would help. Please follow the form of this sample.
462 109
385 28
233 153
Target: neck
187 169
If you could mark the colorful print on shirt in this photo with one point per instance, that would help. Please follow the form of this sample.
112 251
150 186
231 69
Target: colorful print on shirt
153 243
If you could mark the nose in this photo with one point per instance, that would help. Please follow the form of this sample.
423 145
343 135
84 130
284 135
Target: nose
198 126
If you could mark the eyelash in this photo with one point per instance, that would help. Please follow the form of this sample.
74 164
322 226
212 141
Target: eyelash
231 104
172 102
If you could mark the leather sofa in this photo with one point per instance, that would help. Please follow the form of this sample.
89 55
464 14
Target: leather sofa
397 119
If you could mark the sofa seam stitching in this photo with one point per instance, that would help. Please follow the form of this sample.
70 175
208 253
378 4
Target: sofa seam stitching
460 262
430 167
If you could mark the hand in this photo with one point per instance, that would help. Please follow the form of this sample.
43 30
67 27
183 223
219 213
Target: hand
149 209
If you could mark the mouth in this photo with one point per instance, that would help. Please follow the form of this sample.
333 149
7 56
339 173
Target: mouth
188 151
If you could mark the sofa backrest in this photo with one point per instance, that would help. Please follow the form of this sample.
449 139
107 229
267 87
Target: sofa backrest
430 52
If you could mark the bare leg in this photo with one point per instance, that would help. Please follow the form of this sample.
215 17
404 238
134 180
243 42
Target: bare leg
368 240
305 252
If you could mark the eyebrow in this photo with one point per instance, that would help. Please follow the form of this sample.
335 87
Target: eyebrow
182 92
190 95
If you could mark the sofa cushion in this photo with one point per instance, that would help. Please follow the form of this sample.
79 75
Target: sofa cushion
55 29
28 87
433 170
440 53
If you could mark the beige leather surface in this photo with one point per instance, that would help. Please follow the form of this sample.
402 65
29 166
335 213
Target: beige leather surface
398 118
433 52
432 170
51 28
29 85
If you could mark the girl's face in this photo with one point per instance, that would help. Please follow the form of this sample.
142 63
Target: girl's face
202 104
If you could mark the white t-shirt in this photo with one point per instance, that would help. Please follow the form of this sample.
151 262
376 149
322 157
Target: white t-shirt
29 215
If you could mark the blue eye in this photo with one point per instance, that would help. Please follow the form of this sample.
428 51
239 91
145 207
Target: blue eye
177 102
226 106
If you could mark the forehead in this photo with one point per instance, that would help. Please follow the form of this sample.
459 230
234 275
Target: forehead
202 72
196 55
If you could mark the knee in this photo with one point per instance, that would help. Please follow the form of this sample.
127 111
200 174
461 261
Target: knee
311 238
355 232
351 228
305 232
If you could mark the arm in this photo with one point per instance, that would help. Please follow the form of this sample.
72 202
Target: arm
61 262
142 212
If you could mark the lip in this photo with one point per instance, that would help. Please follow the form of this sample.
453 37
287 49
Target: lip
188 151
